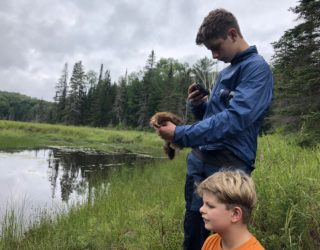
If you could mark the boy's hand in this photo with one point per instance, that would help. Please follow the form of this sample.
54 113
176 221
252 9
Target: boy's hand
195 97
166 131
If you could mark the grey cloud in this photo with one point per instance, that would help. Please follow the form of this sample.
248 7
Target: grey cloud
38 37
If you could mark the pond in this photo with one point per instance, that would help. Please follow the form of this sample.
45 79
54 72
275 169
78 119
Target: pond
52 179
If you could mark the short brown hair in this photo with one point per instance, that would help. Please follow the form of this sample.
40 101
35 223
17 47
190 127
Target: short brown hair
216 25
233 188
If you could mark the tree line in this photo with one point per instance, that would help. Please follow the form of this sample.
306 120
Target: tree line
17 107
90 98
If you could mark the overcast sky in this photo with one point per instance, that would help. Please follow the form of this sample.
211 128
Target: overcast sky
39 36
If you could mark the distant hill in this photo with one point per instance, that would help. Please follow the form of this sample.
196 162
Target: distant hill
18 107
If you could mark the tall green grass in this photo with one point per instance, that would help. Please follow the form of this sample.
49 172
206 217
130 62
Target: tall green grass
288 187
143 208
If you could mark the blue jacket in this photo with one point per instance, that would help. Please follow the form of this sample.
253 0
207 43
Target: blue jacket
232 121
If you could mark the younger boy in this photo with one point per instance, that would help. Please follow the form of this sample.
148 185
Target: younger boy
228 200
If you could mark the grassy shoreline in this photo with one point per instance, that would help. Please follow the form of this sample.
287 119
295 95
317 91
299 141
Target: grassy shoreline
24 135
143 208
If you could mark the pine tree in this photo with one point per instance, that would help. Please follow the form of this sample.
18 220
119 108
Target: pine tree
169 74
184 81
93 95
120 104
165 80
103 97
92 81
76 95
297 73
145 108
133 103
61 95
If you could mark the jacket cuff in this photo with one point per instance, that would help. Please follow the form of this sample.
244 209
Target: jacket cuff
179 135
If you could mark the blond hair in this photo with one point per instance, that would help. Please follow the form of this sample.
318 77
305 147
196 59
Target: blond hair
233 188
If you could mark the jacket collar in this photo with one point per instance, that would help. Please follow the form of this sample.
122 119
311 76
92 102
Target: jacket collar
244 54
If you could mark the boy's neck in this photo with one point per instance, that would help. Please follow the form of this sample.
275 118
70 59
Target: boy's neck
235 237
242 45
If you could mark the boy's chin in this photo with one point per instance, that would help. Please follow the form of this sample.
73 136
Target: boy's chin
208 227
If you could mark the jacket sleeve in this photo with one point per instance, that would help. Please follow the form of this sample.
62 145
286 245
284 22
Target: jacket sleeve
251 99
198 111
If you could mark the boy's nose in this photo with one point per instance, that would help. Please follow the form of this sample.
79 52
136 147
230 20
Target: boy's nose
215 55
201 210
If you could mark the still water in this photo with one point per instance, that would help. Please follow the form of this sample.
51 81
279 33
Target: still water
53 179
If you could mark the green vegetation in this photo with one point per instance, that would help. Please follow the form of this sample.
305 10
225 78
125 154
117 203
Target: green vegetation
143 208
296 68
21 135
287 181
17 107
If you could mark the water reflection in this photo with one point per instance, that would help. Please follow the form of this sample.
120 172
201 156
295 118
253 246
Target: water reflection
50 178
79 170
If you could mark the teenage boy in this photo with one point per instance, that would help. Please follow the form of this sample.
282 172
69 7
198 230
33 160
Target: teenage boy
228 200
229 119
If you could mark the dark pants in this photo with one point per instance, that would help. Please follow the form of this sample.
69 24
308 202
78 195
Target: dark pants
199 167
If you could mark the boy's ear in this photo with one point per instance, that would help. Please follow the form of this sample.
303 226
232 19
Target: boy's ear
237 214
232 32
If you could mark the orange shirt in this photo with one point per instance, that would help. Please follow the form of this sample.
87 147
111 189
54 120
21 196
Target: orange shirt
213 242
